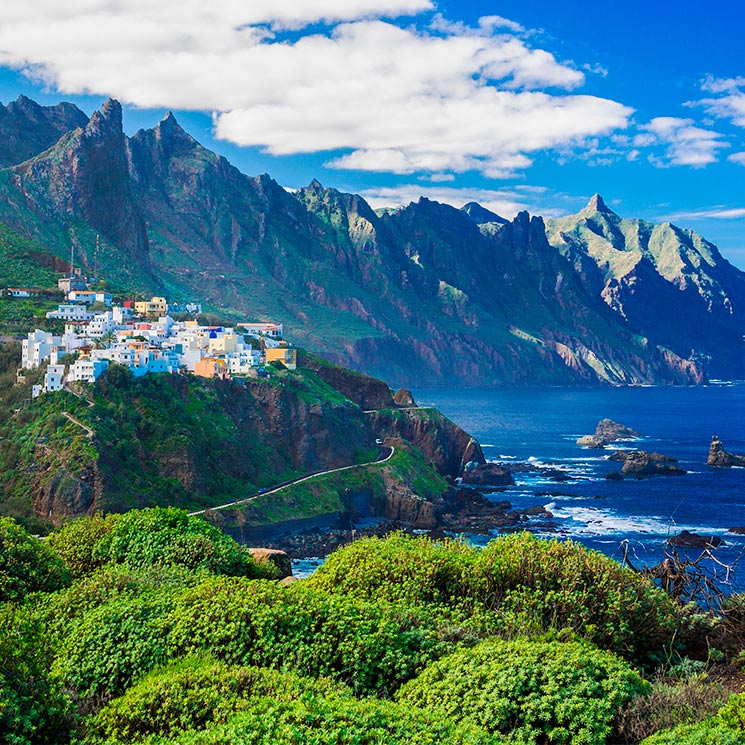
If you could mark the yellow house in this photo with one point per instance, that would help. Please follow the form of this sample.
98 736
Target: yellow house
286 355
156 306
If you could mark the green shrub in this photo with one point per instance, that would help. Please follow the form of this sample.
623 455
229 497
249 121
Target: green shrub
314 720
518 584
399 568
157 536
76 540
535 692
33 708
112 645
192 694
371 647
27 564
62 611
539 585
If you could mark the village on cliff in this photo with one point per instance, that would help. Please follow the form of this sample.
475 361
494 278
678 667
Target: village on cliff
144 337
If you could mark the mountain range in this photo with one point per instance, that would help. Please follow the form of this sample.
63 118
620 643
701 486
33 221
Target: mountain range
425 294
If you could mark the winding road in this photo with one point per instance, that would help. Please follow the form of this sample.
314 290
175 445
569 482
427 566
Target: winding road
386 453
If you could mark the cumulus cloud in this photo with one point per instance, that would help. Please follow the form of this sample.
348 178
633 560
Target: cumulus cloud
684 143
428 96
738 158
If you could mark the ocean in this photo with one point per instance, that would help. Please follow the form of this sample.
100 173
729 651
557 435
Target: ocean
540 426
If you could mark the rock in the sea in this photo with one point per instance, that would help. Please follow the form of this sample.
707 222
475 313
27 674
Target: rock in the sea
718 456
488 474
606 431
694 540
273 556
591 441
403 397
611 431
643 463
614 476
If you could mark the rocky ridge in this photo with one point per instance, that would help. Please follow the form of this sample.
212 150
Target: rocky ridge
418 296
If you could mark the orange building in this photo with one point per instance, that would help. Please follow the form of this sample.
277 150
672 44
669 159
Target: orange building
211 367
286 355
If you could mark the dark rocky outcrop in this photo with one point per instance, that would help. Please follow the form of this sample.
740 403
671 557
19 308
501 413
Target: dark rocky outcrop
687 539
642 463
607 431
443 443
404 398
720 458
488 474
28 128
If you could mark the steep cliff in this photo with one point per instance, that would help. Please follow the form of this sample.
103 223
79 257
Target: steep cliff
190 442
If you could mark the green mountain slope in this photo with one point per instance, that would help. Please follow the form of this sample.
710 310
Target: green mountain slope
424 295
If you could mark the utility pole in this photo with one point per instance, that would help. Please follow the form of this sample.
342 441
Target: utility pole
95 258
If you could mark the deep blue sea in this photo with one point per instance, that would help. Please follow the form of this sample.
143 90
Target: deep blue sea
541 426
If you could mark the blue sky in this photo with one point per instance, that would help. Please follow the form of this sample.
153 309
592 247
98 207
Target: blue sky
518 105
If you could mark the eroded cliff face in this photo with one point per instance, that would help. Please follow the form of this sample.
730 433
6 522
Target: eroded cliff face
190 442
443 442
367 392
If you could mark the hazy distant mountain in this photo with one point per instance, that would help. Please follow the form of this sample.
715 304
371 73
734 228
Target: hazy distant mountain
669 285
426 294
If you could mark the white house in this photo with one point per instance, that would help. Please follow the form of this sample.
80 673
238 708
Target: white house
87 370
102 324
54 378
88 297
71 312
272 330
37 347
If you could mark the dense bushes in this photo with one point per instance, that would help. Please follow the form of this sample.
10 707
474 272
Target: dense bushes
400 568
727 727
154 642
159 536
27 564
33 707
371 647
200 700
525 583
547 692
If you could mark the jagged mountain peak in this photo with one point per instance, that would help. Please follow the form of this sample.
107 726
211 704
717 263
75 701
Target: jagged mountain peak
481 215
597 204
106 121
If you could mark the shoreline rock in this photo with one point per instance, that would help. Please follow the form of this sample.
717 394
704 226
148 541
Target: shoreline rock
488 474
607 431
687 539
721 458
642 463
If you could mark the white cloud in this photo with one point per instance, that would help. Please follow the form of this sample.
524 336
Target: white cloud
437 97
684 142
729 102
737 158
716 213
504 202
